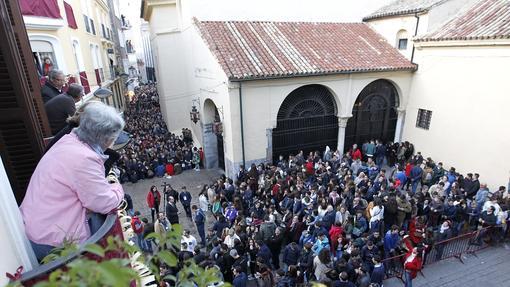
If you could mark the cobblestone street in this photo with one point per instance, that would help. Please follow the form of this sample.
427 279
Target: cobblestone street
193 180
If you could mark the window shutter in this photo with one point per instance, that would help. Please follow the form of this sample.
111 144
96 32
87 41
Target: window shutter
23 122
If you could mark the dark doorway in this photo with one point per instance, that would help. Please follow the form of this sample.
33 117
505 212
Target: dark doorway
221 152
374 114
219 138
306 121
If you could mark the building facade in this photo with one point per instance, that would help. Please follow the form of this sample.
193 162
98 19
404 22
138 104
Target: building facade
249 80
194 72
455 112
77 37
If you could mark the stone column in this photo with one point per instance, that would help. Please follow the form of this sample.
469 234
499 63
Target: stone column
400 125
269 149
342 123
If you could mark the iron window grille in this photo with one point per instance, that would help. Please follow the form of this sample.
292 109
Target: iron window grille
423 119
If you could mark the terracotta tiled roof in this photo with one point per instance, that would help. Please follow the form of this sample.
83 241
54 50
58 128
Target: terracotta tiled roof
403 7
487 19
257 50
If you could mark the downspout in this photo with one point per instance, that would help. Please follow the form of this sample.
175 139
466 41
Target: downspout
415 34
241 116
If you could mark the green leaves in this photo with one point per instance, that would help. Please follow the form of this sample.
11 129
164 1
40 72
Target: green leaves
95 249
117 272
169 258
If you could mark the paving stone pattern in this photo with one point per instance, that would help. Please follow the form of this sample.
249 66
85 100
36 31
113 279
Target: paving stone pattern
193 180
487 268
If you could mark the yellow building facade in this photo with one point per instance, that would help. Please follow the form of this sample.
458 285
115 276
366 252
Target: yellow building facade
77 38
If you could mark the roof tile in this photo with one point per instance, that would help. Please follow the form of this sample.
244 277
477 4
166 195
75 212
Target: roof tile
256 50
403 7
487 19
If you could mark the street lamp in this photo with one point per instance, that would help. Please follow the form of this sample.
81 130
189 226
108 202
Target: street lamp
194 114
102 93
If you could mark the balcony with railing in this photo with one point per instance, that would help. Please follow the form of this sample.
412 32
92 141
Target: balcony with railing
124 23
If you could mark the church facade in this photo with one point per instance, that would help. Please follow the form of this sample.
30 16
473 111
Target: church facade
264 89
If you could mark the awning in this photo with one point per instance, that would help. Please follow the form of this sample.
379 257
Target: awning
43 8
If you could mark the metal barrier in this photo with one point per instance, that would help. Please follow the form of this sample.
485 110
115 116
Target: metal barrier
468 243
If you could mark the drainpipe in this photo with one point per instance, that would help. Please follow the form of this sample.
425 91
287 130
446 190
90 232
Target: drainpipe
415 33
241 116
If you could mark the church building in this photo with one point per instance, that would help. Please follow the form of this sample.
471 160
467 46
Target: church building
428 72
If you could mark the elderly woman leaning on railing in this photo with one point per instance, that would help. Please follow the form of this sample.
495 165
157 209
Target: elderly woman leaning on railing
68 185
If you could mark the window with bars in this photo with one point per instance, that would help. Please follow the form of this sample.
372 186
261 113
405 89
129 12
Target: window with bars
423 119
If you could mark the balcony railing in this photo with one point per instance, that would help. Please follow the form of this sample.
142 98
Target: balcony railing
110 227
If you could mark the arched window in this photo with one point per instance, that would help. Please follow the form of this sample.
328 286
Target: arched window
77 56
44 56
402 39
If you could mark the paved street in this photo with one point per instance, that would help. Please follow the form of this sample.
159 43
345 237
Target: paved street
193 180
489 268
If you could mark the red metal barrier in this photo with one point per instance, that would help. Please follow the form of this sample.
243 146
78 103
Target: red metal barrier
467 243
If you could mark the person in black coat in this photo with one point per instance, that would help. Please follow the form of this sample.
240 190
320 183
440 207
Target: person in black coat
185 199
63 106
172 213
53 86
291 255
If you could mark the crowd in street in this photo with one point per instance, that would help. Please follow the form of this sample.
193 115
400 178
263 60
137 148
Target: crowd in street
320 217
153 150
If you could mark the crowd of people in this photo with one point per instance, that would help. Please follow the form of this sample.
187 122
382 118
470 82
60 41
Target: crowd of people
153 150
319 217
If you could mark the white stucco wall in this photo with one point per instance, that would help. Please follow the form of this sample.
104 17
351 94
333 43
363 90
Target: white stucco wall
16 250
466 88
262 100
390 26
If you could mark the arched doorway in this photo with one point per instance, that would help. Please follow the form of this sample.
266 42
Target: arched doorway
213 143
374 114
306 121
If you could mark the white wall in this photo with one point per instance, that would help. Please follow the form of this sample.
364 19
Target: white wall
466 88
389 27
16 250
262 100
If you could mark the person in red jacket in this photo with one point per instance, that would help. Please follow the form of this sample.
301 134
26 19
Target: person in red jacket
412 264
355 153
334 233
153 201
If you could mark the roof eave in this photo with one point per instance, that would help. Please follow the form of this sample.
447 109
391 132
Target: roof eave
275 77
394 14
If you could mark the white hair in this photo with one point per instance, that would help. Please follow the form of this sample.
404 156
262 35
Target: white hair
99 125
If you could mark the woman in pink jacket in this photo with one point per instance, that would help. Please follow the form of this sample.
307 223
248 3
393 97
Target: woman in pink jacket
69 183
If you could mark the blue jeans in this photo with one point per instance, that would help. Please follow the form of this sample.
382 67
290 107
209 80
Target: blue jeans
41 250
415 185
408 279
141 242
